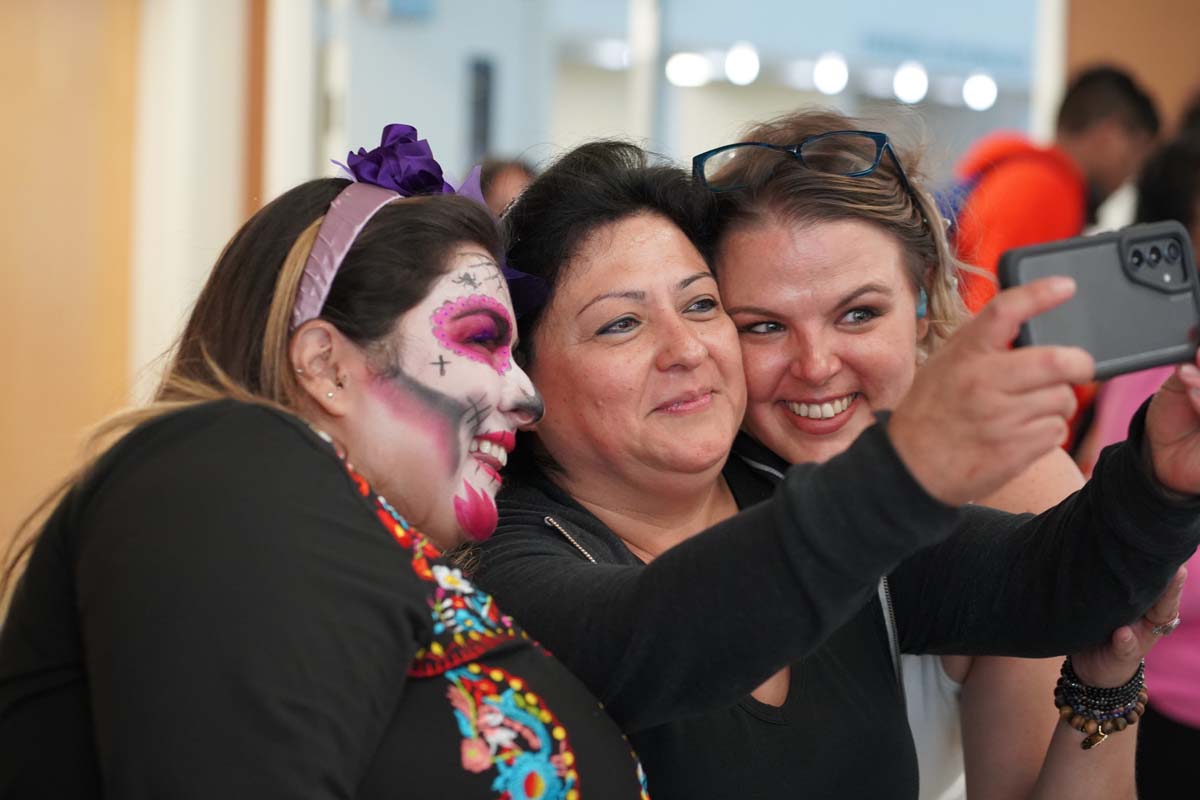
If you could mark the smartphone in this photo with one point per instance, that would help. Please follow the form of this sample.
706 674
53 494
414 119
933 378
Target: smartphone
1137 302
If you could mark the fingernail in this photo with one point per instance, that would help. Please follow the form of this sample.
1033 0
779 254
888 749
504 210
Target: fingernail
1125 636
1189 371
1063 284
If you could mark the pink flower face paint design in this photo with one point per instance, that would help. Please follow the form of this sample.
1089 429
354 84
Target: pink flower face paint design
477 327
476 513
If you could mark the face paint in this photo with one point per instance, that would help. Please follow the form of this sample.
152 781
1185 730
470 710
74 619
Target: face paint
459 396
466 279
439 413
477 327
476 514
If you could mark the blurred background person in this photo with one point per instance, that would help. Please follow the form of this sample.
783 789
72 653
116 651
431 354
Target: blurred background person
1012 192
1016 193
502 180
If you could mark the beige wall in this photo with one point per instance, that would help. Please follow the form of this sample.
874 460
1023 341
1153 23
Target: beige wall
1157 40
67 135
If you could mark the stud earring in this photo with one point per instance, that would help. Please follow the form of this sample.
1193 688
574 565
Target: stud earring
922 304
329 395
299 371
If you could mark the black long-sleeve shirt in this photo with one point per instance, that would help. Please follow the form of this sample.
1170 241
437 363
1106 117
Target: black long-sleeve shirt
224 609
673 648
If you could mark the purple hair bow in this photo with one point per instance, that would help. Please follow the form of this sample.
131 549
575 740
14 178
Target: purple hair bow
404 165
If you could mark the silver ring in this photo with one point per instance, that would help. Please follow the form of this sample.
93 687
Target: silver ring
1166 628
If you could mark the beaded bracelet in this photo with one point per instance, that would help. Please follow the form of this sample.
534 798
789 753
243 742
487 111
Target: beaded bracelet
1098 711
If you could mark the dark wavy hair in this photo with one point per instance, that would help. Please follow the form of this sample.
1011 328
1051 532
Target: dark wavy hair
592 186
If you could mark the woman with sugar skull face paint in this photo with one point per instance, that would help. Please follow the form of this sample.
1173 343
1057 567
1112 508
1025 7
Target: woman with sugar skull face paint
239 597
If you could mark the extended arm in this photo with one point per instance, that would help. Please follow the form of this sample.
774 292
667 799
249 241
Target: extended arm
710 619
1055 583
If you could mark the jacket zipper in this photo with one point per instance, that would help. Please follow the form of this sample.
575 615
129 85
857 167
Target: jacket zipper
553 523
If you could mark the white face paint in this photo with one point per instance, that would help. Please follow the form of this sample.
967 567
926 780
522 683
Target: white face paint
456 382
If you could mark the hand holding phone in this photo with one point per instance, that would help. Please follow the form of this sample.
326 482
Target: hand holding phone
979 413
1137 304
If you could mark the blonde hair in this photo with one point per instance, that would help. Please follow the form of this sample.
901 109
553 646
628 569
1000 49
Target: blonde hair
183 386
777 186
235 343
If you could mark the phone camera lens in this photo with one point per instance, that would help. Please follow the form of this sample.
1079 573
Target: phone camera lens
1172 252
1155 256
1137 258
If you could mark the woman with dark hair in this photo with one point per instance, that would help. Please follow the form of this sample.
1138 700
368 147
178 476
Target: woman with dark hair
223 604
727 628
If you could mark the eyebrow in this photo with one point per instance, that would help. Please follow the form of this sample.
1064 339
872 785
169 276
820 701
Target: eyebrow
639 296
849 298
864 289
690 279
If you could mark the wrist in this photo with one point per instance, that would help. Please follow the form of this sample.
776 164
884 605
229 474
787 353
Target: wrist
1098 711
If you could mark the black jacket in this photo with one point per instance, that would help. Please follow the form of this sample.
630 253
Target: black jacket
791 581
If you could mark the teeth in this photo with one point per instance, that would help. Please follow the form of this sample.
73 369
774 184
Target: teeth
825 410
489 449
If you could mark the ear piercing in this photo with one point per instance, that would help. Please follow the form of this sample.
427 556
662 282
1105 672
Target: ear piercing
339 384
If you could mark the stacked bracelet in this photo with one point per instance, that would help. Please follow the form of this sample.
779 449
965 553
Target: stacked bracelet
1098 711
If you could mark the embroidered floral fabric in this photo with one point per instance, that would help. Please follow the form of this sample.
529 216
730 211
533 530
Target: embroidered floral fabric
506 726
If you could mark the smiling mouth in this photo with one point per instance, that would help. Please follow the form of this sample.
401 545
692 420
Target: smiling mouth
824 409
692 401
491 451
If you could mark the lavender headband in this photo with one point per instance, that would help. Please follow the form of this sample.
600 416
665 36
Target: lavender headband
402 166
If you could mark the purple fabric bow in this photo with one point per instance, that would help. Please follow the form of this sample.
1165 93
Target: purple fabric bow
402 163
405 164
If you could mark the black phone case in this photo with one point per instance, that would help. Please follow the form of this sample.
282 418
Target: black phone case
1129 313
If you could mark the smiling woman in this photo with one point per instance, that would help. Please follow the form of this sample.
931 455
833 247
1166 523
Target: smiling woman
840 288
343 389
637 362
827 318
730 625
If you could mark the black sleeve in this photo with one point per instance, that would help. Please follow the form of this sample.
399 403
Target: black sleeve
1055 583
710 619
247 624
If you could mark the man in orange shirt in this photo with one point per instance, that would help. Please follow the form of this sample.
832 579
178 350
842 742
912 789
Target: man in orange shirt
1015 193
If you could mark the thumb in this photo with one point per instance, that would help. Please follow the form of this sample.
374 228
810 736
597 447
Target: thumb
998 324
